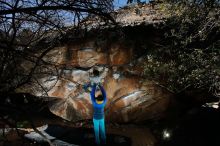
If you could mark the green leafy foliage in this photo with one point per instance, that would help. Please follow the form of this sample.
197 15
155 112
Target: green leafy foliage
189 54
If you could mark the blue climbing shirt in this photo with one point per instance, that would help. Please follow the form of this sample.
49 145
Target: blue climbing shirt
98 108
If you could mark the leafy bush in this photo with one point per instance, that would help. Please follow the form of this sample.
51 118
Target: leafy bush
189 54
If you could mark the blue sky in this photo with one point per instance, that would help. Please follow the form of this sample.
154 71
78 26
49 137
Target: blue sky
121 3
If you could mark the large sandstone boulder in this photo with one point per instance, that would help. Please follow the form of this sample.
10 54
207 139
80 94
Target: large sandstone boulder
130 96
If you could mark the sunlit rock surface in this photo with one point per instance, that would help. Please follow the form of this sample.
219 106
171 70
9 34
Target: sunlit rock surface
130 15
130 96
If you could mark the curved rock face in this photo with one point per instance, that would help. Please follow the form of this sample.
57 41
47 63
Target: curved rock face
131 98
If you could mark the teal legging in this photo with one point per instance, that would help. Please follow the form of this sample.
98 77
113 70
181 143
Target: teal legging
99 128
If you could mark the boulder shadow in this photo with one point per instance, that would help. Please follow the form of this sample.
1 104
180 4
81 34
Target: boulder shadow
84 136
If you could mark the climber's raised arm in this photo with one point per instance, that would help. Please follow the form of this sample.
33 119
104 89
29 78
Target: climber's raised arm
93 93
103 94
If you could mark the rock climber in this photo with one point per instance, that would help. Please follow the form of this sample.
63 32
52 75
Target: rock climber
98 105
98 113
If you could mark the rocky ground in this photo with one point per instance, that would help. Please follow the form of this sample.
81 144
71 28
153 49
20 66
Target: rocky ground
198 127
79 134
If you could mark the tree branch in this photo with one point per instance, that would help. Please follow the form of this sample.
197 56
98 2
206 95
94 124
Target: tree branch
96 11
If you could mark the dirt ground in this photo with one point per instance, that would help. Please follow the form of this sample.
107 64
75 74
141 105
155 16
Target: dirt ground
135 135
